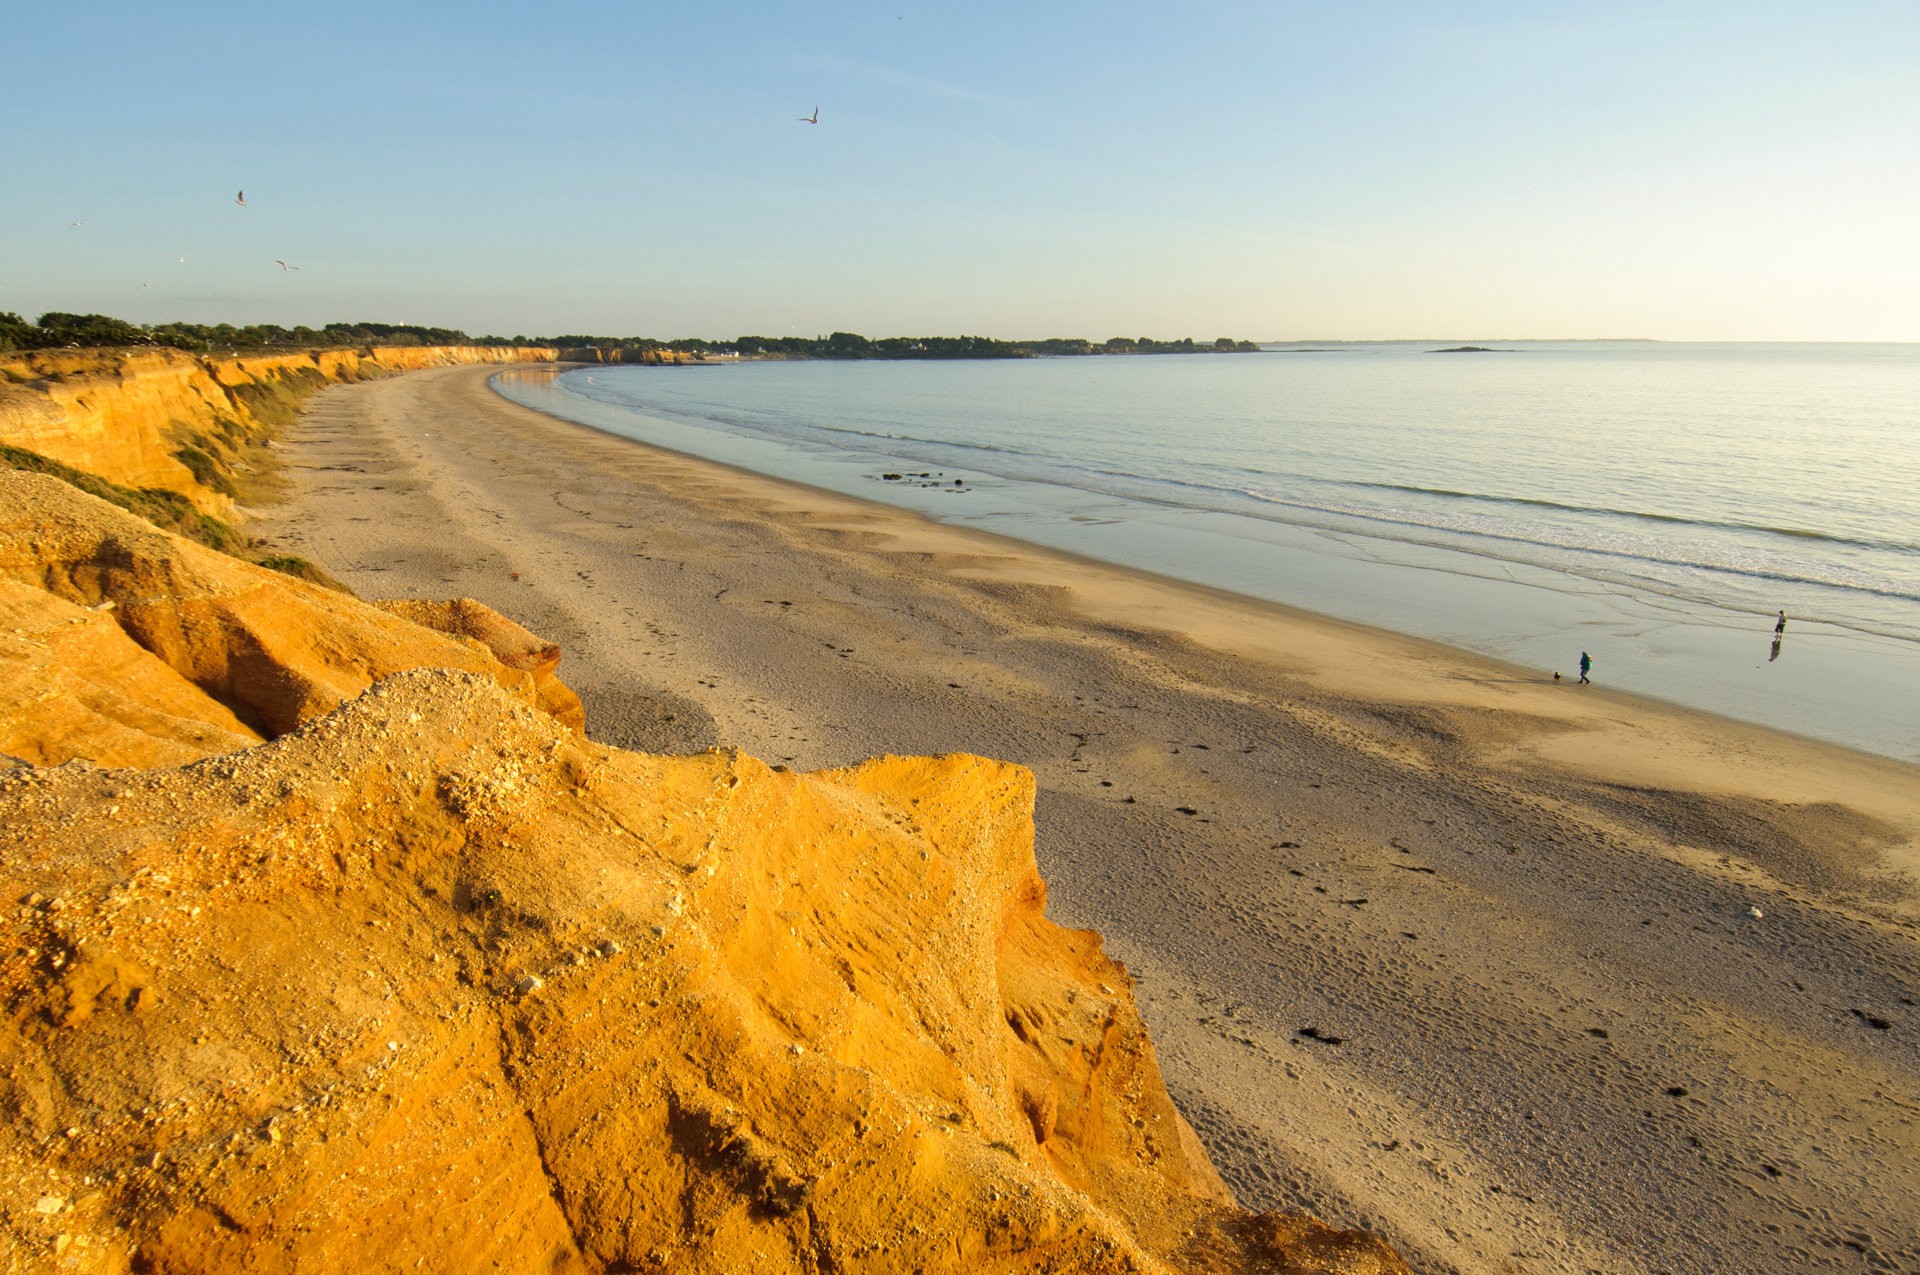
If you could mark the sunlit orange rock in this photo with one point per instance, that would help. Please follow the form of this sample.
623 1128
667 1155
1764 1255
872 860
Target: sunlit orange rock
265 651
128 416
433 983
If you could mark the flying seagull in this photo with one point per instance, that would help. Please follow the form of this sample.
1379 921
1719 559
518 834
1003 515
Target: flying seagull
283 265
813 118
241 199
72 224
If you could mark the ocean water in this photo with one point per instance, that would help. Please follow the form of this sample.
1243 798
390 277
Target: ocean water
1654 504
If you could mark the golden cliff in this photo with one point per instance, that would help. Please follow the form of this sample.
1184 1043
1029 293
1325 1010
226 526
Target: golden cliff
177 422
123 645
334 945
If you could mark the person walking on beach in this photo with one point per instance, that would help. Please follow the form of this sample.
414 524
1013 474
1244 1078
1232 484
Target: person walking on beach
1780 625
1586 662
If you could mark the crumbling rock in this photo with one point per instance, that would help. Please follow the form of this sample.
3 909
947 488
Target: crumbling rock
431 982
130 416
434 983
131 646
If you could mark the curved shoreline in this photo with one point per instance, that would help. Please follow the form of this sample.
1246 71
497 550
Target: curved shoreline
1279 821
1835 683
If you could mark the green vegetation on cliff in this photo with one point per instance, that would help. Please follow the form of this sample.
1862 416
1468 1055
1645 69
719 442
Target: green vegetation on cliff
55 330
168 510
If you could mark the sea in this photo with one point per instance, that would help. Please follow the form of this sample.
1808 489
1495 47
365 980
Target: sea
1653 504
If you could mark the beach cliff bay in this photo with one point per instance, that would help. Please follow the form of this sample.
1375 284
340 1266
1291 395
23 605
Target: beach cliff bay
424 978
439 835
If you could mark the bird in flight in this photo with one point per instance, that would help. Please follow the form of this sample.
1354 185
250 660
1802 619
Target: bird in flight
813 118
283 265
241 199
72 224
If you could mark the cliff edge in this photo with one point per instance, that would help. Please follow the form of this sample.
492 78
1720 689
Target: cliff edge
332 944
171 421
124 645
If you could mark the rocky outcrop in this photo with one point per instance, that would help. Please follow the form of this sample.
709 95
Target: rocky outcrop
175 422
429 981
74 685
432 983
512 645
125 645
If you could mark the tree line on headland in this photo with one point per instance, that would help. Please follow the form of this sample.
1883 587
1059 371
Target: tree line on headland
92 331
57 330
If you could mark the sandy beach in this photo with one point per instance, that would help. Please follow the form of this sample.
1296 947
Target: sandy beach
1524 976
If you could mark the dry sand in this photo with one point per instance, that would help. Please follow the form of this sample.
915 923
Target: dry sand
1524 976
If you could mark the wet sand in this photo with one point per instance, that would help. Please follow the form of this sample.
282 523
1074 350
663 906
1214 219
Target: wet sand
1526 976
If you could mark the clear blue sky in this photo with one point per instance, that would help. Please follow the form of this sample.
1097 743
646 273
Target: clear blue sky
1256 168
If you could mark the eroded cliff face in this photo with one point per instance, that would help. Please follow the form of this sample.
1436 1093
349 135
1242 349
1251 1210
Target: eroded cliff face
176 422
432 982
124 645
